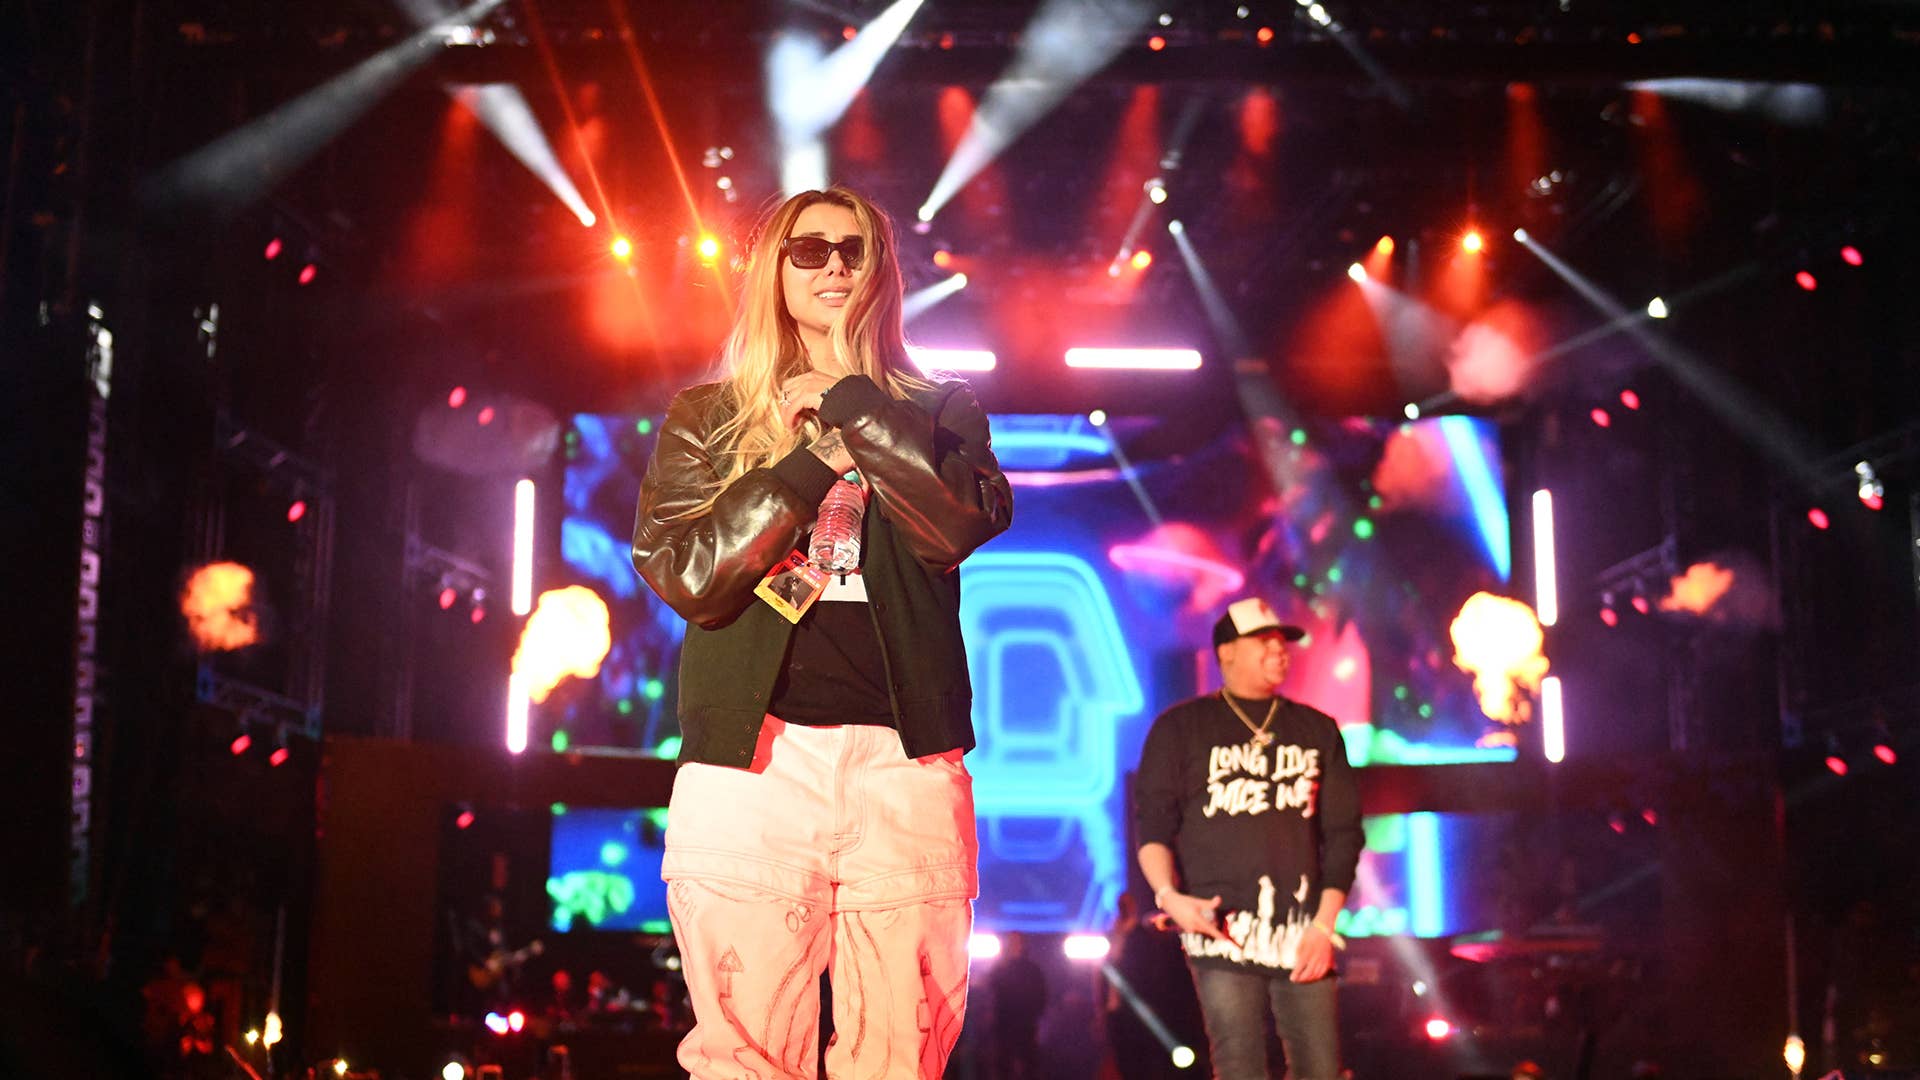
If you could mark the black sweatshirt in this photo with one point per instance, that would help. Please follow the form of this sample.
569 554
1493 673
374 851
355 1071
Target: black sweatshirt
1265 828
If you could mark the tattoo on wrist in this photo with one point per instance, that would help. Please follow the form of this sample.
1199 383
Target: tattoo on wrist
829 444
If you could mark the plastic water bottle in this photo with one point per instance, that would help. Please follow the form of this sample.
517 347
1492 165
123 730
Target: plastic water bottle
836 529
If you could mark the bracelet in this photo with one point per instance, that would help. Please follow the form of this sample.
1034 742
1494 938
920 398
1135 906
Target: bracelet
1333 936
1159 892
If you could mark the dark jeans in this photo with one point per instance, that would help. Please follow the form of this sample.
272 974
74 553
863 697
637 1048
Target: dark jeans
1232 1002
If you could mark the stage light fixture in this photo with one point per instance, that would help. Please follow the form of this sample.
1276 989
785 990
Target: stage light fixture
709 248
1085 946
1156 43
1183 1057
1519 235
240 744
274 247
1885 753
1156 190
1177 227
1357 272
296 510
1601 418
1806 281
1383 246
1630 399
1851 256
1098 418
1473 243
1657 308
1141 259
1836 765
1412 410
456 397
1264 35
622 248
308 273
983 946
1818 518
1438 1028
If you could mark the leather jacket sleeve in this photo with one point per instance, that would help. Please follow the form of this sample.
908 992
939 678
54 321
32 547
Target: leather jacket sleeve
933 475
706 567
932 469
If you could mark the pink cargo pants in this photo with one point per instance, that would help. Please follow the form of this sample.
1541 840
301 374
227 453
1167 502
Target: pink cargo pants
833 852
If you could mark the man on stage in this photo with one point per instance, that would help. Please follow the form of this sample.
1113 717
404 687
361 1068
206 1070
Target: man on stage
1248 817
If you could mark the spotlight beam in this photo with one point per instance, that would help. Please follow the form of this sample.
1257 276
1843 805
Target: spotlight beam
505 112
808 92
1226 327
1140 1009
238 168
919 301
1065 44
1741 409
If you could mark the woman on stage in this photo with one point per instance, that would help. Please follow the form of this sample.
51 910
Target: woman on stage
822 817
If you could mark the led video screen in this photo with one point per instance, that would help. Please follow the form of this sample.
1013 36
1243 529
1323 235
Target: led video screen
1093 613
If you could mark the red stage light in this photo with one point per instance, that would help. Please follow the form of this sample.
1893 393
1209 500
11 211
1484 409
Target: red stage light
486 416
1473 243
1640 605
1650 816
1438 1028
1601 417
1263 35
1617 823
516 1020
273 248
477 615
1142 259
1818 517
848 33
1885 753
1630 399
1156 43
1633 38
1609 616
465 819
1873 500
1851 255
943 258
621 247
456 397
447 597
308 273
1805 281
1836 765
239 745
278 757
297 510
946 41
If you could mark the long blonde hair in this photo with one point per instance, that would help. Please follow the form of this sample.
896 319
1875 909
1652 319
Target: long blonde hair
765 348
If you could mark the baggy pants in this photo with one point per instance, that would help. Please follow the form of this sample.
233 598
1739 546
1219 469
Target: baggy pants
833 852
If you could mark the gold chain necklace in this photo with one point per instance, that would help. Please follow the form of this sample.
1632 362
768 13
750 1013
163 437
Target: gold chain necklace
1261 736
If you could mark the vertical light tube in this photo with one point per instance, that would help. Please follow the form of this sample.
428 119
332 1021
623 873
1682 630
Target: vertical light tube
518 706
523 547
1553 734
1426 876
1546 580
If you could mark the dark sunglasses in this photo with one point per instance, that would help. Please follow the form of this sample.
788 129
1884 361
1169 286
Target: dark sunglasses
812 252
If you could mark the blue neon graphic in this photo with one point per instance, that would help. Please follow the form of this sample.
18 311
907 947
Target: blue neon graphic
1053 677
1483 491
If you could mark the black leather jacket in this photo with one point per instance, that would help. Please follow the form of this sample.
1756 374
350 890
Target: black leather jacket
938 493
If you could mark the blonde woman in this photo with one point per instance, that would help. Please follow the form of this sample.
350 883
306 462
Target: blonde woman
822 816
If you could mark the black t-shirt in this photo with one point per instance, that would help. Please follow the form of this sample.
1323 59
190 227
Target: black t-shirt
1265 828
835 673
